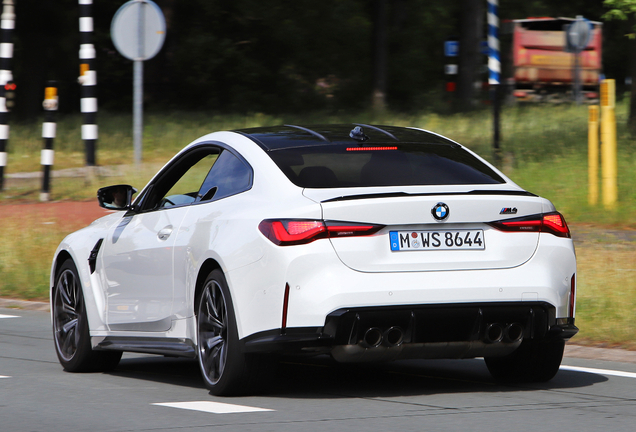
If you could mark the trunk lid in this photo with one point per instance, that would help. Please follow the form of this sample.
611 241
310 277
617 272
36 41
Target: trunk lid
413 240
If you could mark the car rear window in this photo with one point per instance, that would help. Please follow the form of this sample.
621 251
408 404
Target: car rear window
335 166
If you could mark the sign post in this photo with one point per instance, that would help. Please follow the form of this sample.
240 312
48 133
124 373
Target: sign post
577 37
138 31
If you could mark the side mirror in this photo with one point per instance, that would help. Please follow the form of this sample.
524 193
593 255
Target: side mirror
117 197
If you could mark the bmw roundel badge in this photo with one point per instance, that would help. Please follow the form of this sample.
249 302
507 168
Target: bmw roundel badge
440 212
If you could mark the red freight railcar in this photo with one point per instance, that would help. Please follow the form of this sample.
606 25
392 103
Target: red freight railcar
543 70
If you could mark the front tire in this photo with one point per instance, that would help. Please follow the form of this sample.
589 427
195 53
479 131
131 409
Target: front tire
70 326
222 365
533 361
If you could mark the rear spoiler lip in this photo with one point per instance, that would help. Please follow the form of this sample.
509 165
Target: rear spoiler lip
405 194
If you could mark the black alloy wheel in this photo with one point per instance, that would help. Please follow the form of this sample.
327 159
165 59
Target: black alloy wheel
222 365
70 326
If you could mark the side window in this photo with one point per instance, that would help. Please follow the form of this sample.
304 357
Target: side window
228 176
179 184
186 189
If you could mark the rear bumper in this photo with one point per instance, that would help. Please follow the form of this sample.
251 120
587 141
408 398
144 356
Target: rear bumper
419 331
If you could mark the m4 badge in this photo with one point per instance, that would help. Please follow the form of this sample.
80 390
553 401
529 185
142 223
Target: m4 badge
508 210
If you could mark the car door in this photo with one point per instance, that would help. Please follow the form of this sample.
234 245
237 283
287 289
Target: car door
201 228
138 253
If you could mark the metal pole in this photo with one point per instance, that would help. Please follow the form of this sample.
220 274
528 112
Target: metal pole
138 88
48 133
88 80
577 78
494 69
6 54
138 108
578 94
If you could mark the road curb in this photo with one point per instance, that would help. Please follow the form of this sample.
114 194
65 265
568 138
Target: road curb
24 304
595 353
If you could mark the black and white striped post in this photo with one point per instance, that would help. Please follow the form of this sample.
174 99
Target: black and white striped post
48 134
88 80
7 24
494 69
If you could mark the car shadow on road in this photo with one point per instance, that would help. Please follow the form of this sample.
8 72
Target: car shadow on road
322 377
167 370
404 378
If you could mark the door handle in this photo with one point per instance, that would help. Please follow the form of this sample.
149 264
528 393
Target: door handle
164 233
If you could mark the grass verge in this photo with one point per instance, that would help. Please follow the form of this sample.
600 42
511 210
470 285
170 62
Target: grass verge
606 297
544 150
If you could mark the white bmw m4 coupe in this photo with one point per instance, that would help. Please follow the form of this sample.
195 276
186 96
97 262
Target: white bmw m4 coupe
365 243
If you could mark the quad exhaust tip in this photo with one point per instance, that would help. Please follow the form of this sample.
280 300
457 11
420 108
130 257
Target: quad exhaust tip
494 333
394 336
509 333
374 337
513 332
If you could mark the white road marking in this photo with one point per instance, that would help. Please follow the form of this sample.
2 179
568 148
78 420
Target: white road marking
2 376
599 371
8 316
212 407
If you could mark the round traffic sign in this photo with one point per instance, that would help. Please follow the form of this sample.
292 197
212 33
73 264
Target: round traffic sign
579 33
138 29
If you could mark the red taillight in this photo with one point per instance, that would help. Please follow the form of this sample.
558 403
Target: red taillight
288 232
553 223
301 229
292 232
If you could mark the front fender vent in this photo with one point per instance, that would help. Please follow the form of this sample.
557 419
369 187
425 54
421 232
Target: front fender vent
92 257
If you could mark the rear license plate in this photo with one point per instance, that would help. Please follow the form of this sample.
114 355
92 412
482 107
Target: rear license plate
437 240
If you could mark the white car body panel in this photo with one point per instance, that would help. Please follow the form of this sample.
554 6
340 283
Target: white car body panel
137 270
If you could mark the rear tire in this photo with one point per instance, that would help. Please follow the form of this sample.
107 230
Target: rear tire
70 326
222 364
533 361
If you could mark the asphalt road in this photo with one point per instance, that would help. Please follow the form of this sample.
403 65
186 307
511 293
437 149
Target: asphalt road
151 393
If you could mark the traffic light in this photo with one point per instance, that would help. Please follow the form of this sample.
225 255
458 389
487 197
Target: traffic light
9 94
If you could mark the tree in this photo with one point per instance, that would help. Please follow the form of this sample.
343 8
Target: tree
620 9
282 55
626 10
